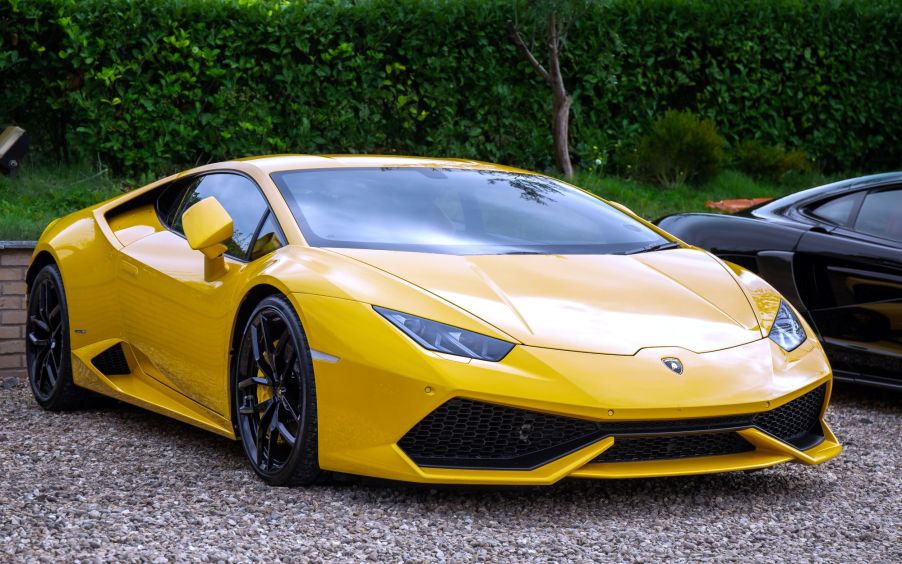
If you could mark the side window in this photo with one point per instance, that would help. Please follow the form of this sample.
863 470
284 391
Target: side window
268 239
838 210
881 215
239 196
168 203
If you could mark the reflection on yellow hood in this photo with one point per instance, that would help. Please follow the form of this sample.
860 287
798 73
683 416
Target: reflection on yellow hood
613 304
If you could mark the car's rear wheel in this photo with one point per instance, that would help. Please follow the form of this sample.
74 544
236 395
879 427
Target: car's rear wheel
275 396
47 347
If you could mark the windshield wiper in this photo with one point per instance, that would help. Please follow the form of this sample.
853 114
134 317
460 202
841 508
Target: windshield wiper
655 247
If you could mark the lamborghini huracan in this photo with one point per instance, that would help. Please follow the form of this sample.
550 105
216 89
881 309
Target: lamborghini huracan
423 320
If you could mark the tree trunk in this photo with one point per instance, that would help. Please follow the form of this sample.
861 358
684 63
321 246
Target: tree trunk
560 99
560 131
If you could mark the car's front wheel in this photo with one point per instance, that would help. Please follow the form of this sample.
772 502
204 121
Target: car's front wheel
275 396
47 348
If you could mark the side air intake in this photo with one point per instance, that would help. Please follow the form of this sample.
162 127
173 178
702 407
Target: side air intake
112 362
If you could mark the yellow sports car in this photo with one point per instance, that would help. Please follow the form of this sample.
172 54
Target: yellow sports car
425 320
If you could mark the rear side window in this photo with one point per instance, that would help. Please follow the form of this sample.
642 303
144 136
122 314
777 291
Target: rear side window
168 203
881 215
241 199
837 211
268 239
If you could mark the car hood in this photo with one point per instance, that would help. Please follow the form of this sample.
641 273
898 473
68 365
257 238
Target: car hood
611 304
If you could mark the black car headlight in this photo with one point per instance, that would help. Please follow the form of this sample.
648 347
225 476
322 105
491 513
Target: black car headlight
447 339
787 331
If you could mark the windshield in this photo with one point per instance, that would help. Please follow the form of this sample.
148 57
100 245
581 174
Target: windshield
456 211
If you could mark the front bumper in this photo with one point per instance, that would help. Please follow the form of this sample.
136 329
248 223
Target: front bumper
384 385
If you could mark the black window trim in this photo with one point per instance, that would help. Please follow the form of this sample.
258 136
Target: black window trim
190 180
808 209
857 210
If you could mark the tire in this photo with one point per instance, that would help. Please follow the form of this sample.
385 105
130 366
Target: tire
47 348
274 395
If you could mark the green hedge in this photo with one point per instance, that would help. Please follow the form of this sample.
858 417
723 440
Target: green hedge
154 85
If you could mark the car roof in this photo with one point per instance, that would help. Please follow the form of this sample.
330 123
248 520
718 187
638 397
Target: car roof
779 206
276 163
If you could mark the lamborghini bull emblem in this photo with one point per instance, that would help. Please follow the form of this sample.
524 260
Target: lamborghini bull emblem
673 364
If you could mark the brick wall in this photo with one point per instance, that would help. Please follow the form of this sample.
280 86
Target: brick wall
14 258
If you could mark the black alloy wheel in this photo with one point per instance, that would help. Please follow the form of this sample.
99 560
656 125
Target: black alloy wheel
47 348
275 396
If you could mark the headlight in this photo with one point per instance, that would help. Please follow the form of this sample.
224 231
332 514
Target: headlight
448 339
787 331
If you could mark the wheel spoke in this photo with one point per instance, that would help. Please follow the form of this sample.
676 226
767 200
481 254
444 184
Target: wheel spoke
256 408
261 432
49 369
253 380
289 410
272 438
42 299
37 341
278 364
38 368
258 356
290 360
40 324
262 427
267 346
286 434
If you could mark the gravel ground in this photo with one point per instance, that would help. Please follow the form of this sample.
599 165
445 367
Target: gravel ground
124 484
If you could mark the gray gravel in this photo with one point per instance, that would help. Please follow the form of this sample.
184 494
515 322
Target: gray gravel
124 484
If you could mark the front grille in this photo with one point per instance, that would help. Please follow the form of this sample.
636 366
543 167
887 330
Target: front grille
797 422
464 433
112 362
641 449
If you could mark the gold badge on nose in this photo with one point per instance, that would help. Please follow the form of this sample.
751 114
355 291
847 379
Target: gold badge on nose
673 364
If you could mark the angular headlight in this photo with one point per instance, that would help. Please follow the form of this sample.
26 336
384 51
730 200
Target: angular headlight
787 331
448 339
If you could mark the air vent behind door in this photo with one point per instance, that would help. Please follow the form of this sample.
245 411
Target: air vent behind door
112 362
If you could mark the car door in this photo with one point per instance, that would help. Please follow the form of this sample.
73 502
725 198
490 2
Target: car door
177 320
850 279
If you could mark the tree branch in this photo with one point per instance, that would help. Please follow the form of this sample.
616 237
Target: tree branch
555 79
527 54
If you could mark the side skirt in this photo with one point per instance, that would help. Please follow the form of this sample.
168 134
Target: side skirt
139 387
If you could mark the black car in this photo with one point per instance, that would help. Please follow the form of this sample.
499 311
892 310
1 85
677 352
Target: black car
836 253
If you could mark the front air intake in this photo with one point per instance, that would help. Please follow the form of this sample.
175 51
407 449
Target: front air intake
464 433
797 422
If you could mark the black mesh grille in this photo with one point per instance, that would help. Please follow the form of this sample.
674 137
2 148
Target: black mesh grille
469 434
639 449
463 433
111 361
797 422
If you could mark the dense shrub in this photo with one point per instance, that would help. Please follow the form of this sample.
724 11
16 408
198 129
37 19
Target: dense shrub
152 85
680 148
769 162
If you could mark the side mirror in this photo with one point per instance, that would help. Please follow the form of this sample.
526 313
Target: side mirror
207 227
